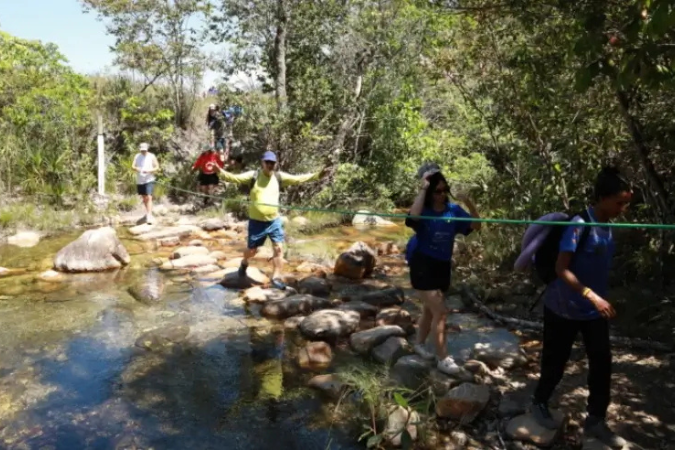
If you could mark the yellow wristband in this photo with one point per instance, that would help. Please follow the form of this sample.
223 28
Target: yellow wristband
585 292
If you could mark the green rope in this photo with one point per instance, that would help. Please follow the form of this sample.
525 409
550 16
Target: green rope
648 226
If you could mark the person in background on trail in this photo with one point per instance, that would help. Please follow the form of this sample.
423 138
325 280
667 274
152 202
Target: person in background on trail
145 165
264 220
575 302
214 120
430 258
208 164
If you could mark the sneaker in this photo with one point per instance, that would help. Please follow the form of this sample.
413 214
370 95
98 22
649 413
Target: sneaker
448 366
422 352
277 283
149 219
598 429
543 416
242 269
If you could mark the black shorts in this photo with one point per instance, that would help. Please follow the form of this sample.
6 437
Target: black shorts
429 274
208 179
145 189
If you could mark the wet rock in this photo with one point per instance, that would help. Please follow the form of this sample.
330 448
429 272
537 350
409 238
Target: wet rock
388 248
329 324
315 356
390 350
219 255
319 287
149 290
169 242
365 310
187 251
95 250
254 277
463 403
159 339
24 239
503 354
292 323
411 371
357 262
257 294
525 428
364 217
398 420
189 262
394 316
379 298
293 306
142 229
328 384
51 276
213 224
364 341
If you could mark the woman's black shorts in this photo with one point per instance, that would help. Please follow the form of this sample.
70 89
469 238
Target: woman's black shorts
208 179
429 274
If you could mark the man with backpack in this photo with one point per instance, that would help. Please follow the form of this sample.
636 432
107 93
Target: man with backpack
574 262
264 220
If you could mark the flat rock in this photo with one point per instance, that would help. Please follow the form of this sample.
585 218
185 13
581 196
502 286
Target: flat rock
293 306
161 338
398 420
173 241
165 232
525 428
315 356
463 403
505 354
142 229
394 316
201 270
51 276
365 218
329 324
230 263
390 350
441 383
254 277
317 269
187 251
328 384
257 294
189 262
475 330
365 310
213 224
219 255
364 341
317 286
24 239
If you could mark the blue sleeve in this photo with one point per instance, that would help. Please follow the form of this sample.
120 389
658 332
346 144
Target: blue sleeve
570 237
415 224
463 227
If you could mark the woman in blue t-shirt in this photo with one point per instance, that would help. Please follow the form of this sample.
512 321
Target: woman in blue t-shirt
575 303
430 258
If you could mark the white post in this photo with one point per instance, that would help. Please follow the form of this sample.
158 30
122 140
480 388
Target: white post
101 158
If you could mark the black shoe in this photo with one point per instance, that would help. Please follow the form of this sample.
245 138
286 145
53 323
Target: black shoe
597 428
543 416
242 269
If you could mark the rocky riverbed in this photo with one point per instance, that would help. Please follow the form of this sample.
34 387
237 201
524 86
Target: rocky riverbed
169 348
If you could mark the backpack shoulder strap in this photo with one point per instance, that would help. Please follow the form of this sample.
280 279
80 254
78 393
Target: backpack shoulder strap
586 230
277 175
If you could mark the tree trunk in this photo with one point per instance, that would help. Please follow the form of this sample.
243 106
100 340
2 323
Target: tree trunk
658 190
280 80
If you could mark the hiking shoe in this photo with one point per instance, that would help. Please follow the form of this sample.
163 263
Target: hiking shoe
448 366
149 219
278 284
598 429
422 352
543 416
242 269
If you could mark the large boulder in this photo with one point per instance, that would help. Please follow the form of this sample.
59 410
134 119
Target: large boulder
464 402
364 341
315 356
24 239
96 250
317 286
364 217
357 262
232 280
329 324
293 306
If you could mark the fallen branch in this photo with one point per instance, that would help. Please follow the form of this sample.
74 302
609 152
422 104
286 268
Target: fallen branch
640 344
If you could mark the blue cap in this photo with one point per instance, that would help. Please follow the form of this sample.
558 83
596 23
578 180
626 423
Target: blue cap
269 156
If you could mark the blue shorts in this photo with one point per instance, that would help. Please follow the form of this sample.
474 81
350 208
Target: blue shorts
259 231
145 189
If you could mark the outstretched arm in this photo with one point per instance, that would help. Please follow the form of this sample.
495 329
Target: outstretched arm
240 178
289 180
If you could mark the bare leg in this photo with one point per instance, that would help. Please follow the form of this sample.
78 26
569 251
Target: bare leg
424 324
278 260
434 301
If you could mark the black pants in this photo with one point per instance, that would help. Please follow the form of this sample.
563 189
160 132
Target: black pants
559 336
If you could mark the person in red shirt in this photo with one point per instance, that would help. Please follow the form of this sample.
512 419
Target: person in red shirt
208 164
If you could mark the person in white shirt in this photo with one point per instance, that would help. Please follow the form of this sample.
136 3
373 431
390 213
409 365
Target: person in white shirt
145 165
